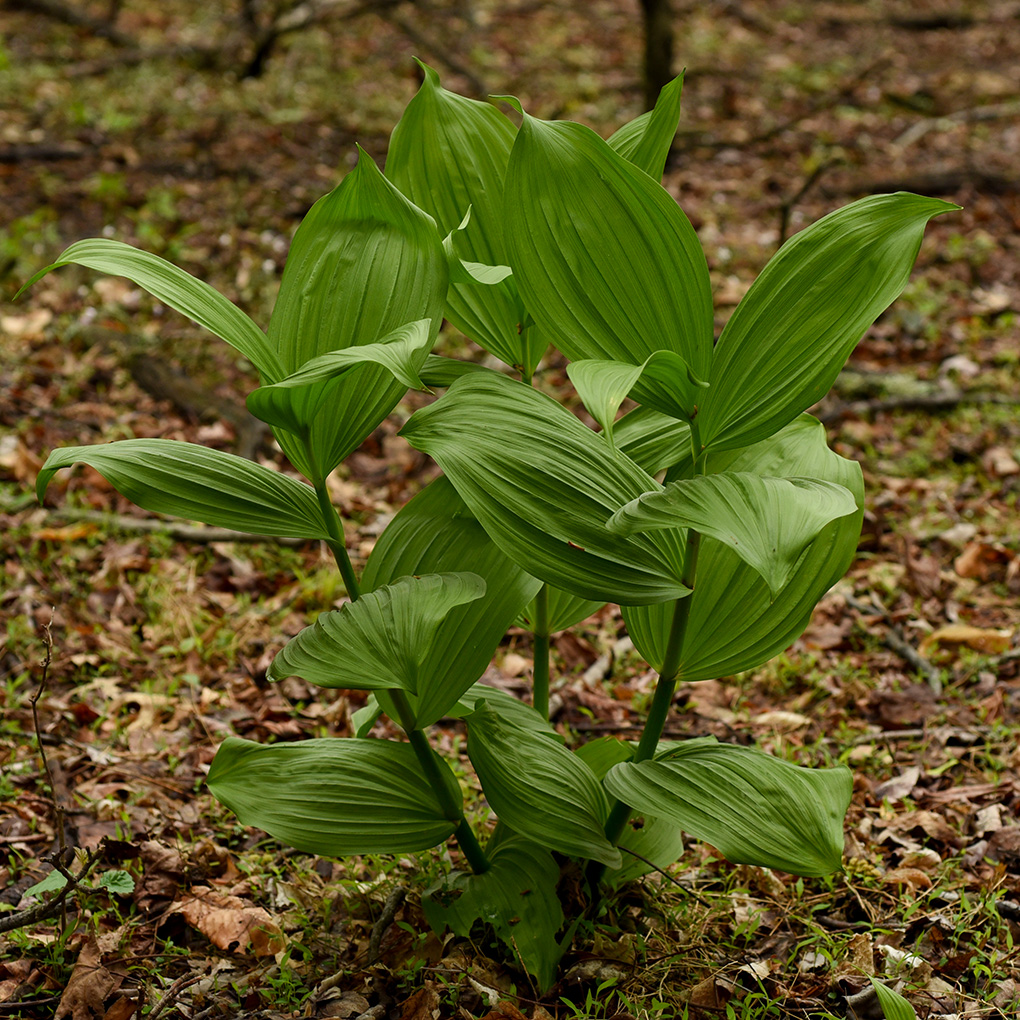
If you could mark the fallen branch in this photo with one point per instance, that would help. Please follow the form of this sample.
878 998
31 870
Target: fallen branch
68 15
976 114
50 908
912 402
896 642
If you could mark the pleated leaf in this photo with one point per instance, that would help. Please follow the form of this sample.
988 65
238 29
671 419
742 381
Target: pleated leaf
539 788
606 262
563 611
294 402
652 440
506 706
433 534
449 154
894 1006
735 623
789 337
754 808
178 290
543 486
333 796
647 843
647 139
663 382
380 641
767 522
516 896
364 262
198 484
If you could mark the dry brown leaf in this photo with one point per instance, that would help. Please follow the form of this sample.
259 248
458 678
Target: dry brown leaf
981 560
782 722
91 984
899 786
504 1011
230 923
990 642
914 878
420 1005
859 957
123 1009
998 462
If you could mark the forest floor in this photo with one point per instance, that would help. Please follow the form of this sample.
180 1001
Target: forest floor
127 652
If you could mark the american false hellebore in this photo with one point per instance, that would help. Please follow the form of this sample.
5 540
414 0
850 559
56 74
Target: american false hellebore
714 513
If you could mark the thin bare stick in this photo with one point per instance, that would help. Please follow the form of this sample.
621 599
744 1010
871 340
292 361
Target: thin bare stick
167 999
42 911
58 808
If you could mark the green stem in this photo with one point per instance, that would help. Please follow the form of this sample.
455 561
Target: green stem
449 804
540 678
665 688
337 543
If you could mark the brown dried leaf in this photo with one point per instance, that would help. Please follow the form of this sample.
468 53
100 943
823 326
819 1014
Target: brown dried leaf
230 923
990 642
420 1005
914 878
982 560
91 984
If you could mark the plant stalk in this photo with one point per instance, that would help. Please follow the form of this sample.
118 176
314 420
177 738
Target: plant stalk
466 839
540 652
337 543
665 688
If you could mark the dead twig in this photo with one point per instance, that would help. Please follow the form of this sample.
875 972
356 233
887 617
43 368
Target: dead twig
50 908
379 929
894 640
167 999
912 402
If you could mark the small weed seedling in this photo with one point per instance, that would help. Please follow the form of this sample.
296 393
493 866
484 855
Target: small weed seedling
524 238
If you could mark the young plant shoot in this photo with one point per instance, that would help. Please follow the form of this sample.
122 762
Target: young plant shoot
524 238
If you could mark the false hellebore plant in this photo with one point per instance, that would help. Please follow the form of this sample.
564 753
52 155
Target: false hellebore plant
523 238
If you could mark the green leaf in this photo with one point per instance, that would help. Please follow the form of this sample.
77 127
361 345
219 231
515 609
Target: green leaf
177 289
118 882
506 706
539 788
543 486
333 796
449 154
752 807
767 522
53 882
516 896
663 382
647 843
435 533
198 484
294 402
563 611
364 262
735 623
438 371
646 140
894 1006
606 262
382 640
787 340
652 440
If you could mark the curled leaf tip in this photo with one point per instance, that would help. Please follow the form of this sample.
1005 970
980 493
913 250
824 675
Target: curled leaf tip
510 101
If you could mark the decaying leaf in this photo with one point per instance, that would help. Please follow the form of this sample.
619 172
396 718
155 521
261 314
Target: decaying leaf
91 983
230 923
990 642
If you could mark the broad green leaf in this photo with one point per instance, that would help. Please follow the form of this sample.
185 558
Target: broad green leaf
506 706
517 896
647 139
767 522
364 262
333 796
652 440
449 154
380 641
563 611
735 624
647 843
438 371
607 264
543 486
294 402
754 808
117 881
365 718
177 289
894 1006
787 340
198 484
464 271
663 382
435 533
53 882
539 788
